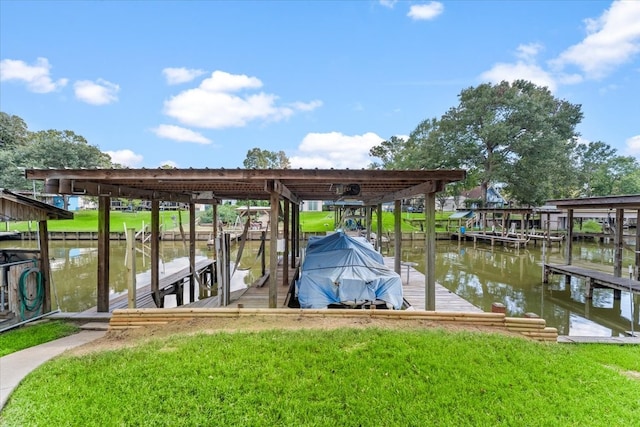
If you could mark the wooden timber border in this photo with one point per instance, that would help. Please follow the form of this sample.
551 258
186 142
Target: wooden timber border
532 328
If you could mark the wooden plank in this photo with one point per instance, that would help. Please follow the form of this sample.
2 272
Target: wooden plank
597 277
144 291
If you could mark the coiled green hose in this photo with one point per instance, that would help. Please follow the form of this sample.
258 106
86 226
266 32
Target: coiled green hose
28 304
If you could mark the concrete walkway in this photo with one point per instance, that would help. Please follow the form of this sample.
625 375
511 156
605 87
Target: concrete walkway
15 366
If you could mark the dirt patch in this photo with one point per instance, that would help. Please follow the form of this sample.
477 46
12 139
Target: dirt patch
116 339
634 375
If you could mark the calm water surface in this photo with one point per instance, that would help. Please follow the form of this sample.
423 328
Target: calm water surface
480 274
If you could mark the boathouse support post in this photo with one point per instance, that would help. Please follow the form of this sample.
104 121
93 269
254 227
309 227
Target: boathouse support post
104 208
214 220
155 252
295 233
45 268
285 254
379 227
618 242
192 251
131 268
369 216
397 233
273 250
569 247
430 252
637 257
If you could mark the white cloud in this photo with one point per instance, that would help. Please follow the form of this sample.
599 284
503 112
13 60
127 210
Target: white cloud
612 40
388 3
176 76
633 146
215 105
335 150
100 92
529 52
168 163
180 134
36 76
307 106
519 70
125 157
425 12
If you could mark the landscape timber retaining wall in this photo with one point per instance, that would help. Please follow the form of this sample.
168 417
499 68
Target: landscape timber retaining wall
532 328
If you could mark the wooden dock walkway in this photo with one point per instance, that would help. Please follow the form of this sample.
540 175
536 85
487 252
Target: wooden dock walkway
516 240
172 283
593 278
413 289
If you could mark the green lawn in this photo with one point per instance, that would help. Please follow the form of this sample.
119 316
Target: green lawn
88 221
34 334
346 377
311 222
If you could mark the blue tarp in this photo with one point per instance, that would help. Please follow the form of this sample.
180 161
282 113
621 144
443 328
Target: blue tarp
339 269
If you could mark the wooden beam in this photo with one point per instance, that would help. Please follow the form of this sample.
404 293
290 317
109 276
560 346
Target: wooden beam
637 257
569 248
45 267
281 189
104 209
155 251
379 226
425 187
618 243
430 252
397 229
104 189
285 255
322 175
273 251
192 251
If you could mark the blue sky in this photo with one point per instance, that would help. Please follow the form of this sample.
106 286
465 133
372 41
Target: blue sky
198 84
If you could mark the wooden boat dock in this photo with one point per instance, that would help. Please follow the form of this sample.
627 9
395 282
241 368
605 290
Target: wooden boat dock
593 278
171 284
414 293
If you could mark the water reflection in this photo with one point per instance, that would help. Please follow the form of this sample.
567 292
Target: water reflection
480 274
484 275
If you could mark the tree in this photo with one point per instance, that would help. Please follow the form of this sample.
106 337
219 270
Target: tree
265 159
22 149
515 133
13 131
603 172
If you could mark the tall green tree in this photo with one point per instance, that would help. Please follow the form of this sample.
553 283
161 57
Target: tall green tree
265 159
13 131
22 149
517 134
603 172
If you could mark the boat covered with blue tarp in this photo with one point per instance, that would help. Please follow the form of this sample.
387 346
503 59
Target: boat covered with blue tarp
344 271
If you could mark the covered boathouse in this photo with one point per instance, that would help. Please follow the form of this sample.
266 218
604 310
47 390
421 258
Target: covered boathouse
285 189
25 275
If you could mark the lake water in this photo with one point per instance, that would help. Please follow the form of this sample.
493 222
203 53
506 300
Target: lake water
480 274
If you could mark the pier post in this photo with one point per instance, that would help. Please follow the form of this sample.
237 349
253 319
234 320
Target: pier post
131 268
104 207
589 290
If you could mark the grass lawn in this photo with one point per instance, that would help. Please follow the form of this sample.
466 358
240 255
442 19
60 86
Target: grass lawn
344 377
88 221
310 221
34 334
